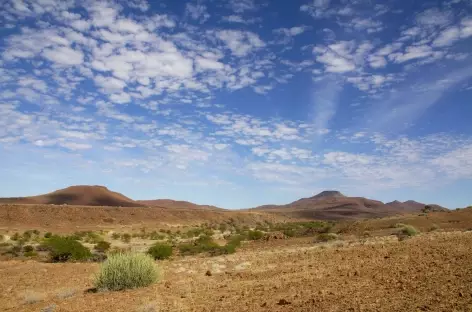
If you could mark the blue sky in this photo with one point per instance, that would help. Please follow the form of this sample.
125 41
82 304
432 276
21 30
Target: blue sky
238 103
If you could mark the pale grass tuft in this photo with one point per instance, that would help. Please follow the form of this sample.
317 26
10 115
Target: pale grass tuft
148 307
31 297
126 271
66 293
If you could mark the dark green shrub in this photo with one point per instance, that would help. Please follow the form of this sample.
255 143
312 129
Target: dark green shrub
255 235
126 237
28 248
64 249
15 250
27 235
102 246
15 237
126 271
289 233
326 237
156 236
30 254
160 251
115 236
223 227
235 240
92 238
47 235
222 250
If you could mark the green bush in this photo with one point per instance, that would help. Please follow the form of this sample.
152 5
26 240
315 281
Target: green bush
409 230
222 250
160 251
254 235
92 238
15 250
326 237
28 248
126 271
15 237
64 249
235 240
102 246
47 235
126 238
115 235
30 254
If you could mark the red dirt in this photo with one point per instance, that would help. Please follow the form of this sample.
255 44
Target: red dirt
430 272
169 203
70 218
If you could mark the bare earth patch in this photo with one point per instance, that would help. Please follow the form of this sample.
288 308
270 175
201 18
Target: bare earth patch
430 272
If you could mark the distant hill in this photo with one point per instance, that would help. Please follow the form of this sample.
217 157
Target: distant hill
83 195
180 204
413 206
333 205
327 205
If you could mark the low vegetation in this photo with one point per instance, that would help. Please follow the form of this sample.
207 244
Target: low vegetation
102 246
160 251
126 271
326 237
409 230
63 249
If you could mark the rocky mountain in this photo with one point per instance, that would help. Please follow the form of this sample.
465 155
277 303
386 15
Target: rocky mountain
80 195
333 205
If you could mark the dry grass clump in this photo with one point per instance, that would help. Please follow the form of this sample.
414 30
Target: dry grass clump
126 271
31 297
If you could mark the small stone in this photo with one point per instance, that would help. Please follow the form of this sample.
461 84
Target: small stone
283 302
208 273
264 305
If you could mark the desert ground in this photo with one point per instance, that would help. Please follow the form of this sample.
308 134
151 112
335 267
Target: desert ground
366 268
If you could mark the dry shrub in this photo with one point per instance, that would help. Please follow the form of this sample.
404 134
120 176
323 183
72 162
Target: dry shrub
31 297
126 271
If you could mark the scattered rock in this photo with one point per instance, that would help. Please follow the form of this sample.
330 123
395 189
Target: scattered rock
50 308
264 305
274 236
283 302
208 273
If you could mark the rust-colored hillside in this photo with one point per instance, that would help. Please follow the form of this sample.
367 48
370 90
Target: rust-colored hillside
332 205
169 203
83 195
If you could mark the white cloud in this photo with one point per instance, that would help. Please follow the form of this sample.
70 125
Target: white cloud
466 30
240 6
197 12
447 37
240 19
411 53
241 43
291 32
208 64
110 84
75 146
434 17
335 58
64 56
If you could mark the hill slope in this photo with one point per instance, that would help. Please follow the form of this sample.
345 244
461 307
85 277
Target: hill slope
332 205
169 203
84 195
